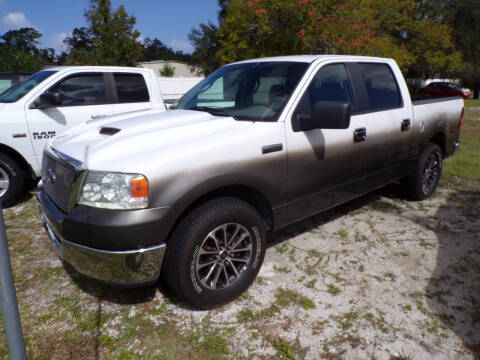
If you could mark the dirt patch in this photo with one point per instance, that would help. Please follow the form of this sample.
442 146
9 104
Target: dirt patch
379 277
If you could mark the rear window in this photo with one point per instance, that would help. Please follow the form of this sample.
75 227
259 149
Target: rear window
382 89
131 88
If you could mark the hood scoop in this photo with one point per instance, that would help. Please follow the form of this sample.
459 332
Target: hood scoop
109 131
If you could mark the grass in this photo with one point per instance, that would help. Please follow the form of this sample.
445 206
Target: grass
286 297
332 289
471 103
466 162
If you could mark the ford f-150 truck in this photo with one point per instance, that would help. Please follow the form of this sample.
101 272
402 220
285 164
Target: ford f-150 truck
189 195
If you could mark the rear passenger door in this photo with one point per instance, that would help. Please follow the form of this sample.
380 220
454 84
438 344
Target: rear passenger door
130 92
386 120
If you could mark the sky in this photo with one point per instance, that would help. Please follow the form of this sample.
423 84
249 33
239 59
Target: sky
169 21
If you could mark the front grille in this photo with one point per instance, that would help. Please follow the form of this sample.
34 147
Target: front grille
58 177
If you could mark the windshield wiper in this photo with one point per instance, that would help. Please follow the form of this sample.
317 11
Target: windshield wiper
211 110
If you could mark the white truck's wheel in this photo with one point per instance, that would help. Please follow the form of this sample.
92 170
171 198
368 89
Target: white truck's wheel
11 180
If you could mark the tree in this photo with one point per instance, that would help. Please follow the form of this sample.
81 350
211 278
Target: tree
206 42
154 49
395 28
19 51
167 70
110 38
464 16
22 39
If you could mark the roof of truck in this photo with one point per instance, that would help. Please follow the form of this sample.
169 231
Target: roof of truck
93 68
312 58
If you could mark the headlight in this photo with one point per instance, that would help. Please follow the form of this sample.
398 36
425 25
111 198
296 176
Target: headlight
114 191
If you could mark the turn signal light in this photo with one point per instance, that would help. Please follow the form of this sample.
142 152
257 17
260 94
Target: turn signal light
139 187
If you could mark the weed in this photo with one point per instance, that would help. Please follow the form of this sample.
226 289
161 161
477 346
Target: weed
246 315
342 233
283 349
332 289
285 269
306 303
282 248
311 283
215 344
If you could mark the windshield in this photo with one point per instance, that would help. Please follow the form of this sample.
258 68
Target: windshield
252 91
20 89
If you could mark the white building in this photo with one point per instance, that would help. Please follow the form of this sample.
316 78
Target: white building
181 69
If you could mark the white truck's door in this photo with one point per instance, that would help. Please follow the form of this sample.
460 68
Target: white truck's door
131 92
83 97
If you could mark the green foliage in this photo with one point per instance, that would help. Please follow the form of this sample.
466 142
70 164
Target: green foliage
260 28
110 38
154 49
332 289
464 17
25 39
18 60
19 51
167 70
283 349
206 42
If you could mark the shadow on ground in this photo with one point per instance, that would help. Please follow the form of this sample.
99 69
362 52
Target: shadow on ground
453 292
306 225
454 289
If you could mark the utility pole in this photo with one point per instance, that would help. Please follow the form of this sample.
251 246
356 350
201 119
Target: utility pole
8 299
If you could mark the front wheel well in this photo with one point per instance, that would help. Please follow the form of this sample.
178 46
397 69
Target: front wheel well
250 195
18 158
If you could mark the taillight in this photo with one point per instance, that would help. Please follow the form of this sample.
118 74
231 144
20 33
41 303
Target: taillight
460 123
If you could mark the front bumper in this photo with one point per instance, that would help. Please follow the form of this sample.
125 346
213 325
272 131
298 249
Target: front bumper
137 266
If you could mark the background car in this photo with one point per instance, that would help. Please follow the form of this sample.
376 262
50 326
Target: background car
443 89
8 79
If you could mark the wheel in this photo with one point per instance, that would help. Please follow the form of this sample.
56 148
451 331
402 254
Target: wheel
11 180
215 253
423 182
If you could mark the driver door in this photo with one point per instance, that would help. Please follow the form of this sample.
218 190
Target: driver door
83 97
325 166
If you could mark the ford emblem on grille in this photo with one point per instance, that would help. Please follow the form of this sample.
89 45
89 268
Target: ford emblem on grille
51 175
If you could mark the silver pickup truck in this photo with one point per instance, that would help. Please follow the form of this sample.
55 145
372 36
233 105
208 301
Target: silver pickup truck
189 195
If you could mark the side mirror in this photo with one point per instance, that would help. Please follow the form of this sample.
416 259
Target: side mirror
326 115
48 100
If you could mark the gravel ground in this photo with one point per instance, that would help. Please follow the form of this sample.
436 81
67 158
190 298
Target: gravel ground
377 278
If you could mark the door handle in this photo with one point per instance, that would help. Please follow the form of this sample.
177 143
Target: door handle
405 125
93 117
360 134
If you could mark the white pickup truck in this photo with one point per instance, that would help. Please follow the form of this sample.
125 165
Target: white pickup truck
58 98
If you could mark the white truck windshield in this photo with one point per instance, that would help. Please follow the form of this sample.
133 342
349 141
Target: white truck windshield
19 90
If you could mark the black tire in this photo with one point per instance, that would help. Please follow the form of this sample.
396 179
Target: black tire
423 182
181 263
11 172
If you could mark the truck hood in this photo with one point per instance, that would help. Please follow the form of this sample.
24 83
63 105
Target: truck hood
100 145
2 105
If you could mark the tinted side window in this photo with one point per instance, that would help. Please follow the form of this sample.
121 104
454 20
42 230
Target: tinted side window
331 83
82 90
382 89
131 88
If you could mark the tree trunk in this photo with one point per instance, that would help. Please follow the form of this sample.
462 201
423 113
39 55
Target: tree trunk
476 91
